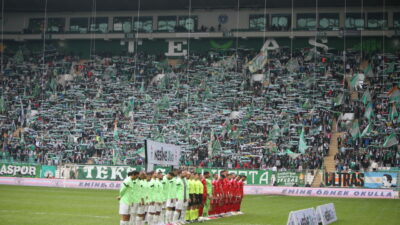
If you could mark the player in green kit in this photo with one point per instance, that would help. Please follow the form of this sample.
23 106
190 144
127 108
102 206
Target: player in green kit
151 197
185 180
141 211
182 196
126 198
135 198
188 204
171 197
159 199
164 197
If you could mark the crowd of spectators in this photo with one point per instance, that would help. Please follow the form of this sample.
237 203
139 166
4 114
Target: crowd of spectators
69 110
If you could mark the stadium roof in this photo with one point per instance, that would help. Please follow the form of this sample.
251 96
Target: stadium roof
117 5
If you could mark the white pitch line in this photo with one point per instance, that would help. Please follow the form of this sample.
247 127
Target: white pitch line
57 214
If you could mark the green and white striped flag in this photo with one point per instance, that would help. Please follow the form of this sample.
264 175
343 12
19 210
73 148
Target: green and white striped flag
354 80
366 97
394 97
289 152
302 142
369 111
216 147
116 134
390 141
339 99
274 133
367 130
306 104
141 152
142 89
368 71
355 129
393 113
2 105
390 68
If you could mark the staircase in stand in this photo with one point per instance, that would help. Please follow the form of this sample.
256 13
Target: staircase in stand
317 178
329 160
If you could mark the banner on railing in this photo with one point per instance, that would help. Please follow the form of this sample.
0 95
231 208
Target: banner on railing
288 178
321 192
48 171
344 179
19 170
380 180
100 172
253 176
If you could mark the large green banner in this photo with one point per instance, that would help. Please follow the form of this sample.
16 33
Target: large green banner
99 172
253 176
19 170
288 178
48 172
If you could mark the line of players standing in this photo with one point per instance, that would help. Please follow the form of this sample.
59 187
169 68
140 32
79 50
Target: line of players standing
178 197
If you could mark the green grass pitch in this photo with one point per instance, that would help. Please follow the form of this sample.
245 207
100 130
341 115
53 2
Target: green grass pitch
57 206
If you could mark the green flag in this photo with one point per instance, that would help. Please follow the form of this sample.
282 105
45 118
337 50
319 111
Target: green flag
207 93
390 141
53 85
306 104
354 80
142 89
302 142
394 96
164 103
355 129
116 154
216 147
274 132
390 68
235 134
131 104
292 154
289 152
116 134
147 98
368 71
2 105
339 99
393 113
36 91
258 62
369 111
366 130
366 97
141 152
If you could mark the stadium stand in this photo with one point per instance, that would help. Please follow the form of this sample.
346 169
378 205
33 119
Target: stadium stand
80 97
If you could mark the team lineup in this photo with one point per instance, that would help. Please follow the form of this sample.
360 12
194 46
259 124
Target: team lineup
178 197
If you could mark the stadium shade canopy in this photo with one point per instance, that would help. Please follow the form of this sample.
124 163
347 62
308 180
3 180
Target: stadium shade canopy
118 5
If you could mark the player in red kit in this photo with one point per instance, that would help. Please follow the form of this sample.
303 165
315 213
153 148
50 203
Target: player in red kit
214 199
227 193
234 193
222 197
241 191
